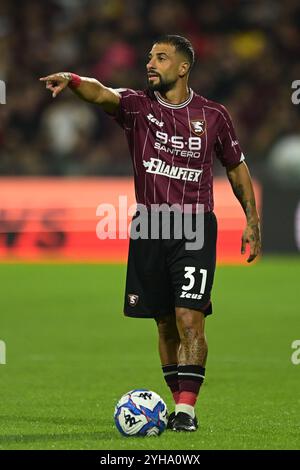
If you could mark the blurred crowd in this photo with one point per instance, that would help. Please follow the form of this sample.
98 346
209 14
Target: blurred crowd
248 55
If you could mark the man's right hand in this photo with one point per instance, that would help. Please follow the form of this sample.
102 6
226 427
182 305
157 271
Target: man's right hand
90 90
57 82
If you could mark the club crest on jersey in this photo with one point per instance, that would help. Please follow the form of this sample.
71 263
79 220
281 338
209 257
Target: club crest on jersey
198 126
133 299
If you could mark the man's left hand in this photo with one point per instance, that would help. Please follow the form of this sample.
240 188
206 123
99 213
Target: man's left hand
251 235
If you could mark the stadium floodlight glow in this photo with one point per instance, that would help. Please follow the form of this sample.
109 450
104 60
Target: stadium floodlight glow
2 353
2 92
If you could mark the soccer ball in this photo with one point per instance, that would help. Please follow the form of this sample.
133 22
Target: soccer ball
141 413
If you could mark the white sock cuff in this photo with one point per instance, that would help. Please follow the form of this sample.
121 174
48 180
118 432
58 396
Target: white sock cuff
182 408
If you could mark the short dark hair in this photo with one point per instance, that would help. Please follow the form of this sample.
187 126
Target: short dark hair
180 43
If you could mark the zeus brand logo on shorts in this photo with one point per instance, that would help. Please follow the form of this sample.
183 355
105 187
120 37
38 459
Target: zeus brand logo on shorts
188 295
159 167
151 118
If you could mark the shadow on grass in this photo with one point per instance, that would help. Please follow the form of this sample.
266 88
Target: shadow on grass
59 435
59 420
28 438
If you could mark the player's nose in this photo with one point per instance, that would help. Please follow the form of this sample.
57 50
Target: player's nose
150 66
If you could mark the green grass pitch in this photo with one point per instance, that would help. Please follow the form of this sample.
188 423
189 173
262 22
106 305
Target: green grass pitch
71 354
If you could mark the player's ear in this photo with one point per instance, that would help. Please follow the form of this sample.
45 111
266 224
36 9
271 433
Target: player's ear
183 69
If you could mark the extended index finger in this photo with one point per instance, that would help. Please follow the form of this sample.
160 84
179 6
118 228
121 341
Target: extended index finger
49 77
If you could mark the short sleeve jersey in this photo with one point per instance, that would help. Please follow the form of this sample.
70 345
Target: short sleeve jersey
173 146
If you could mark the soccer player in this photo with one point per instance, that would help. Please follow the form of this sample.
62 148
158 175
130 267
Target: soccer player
173 135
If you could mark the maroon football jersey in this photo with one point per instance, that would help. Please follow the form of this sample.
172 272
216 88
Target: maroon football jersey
173 146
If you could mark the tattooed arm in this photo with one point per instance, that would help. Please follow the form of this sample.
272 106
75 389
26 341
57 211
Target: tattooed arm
241 184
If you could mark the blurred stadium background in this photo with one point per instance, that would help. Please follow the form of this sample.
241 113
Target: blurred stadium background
60 158
247 58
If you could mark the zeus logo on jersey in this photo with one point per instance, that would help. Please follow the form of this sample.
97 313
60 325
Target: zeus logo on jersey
151 118
159 167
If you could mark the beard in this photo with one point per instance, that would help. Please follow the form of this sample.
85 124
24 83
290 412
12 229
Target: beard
162 85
